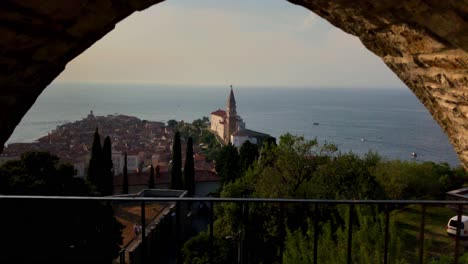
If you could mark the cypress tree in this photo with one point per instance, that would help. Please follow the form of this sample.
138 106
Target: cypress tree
176 166
151 178
158 173
189 169
125 176
106 180
95 164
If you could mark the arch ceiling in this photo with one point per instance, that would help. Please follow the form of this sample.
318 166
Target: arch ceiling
424 42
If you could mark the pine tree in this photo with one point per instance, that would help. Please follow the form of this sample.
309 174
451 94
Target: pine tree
248 153
125 176
95 163
151 178
176 167
189 169
228 164
106 180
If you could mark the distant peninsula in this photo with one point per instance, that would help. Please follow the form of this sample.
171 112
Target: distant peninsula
145 142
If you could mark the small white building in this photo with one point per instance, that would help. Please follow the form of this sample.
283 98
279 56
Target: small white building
132 163
81 164
80 168
118 160
241 136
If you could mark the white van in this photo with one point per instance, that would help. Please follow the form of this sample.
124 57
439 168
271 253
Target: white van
452 226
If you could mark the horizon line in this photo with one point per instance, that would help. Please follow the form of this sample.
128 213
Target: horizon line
227 85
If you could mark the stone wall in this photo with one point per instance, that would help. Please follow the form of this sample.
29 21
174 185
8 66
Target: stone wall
425 42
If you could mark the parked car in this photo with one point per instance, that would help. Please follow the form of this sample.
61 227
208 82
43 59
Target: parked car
452 226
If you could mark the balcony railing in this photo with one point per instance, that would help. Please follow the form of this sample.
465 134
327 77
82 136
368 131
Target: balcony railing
212 202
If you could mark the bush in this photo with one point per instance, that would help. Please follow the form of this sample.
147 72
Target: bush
197 250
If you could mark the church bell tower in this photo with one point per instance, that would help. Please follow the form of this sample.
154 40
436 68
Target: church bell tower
231 116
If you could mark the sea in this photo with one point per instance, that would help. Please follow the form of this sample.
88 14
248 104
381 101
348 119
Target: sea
390 121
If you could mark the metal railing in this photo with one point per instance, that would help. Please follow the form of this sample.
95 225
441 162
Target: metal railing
315 202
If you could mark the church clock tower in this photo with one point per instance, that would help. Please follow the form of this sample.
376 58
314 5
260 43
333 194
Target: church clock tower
231 116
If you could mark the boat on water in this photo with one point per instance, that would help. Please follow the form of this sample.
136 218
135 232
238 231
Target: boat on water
315 124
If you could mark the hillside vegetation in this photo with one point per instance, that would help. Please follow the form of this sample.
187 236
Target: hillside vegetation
300 168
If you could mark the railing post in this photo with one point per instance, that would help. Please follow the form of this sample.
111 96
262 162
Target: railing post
282 231
387 224
457 238
143 236
178 218
239 238
211 231
316 215
350 232
421 235
244 247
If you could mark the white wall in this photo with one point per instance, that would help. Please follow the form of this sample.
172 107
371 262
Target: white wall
117 161
132 163
80 168
237 141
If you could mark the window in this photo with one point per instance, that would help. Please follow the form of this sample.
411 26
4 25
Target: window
453 223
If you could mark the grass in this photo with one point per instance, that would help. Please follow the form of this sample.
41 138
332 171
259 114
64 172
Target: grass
436 240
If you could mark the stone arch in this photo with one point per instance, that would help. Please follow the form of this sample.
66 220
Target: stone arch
424 42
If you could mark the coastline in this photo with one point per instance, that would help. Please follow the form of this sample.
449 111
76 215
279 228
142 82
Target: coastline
393 122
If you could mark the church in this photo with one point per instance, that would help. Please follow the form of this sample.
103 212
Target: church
230 127
225 123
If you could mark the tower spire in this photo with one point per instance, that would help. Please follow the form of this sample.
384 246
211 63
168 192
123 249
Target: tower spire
231 103
231 116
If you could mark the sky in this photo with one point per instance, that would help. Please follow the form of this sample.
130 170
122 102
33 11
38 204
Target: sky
221 42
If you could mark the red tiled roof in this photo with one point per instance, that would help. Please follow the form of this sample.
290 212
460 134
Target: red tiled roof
219 112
